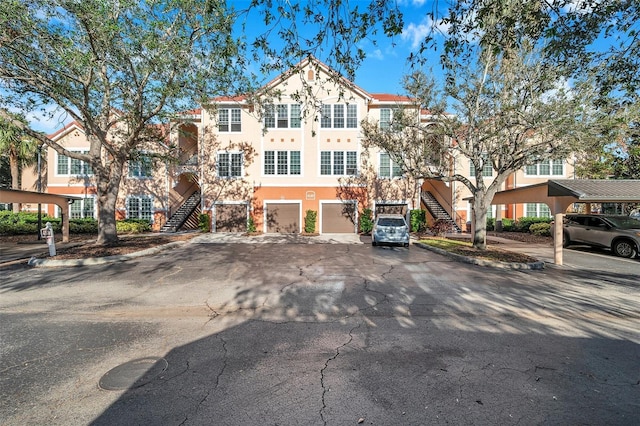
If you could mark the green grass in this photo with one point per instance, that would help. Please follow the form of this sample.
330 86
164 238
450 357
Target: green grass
465 248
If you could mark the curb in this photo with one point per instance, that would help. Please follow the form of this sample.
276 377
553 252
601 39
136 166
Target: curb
52 263
533 266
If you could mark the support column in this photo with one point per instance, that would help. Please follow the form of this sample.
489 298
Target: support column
557 238
498 221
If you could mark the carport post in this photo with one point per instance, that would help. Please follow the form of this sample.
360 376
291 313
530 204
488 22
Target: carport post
557 239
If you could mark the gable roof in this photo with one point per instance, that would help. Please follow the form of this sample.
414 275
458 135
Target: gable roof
310 59
69 127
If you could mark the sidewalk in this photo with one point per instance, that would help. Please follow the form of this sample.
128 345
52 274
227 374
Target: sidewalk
12 253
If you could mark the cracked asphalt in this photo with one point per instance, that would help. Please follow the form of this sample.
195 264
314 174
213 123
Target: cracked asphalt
319 334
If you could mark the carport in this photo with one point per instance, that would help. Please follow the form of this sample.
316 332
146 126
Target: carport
559 194
23 197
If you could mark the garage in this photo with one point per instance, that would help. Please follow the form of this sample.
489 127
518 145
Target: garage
283 218
391 208
338 218
231 217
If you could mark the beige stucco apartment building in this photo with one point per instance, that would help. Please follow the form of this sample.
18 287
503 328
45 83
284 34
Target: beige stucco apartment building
243 158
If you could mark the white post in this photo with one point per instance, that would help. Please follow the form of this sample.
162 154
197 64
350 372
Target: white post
47 232
557 238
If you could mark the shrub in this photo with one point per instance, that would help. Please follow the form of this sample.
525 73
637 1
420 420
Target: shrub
542 229
507 225
251 226
491 224
83 226
366 221
418 220
441 227
204 223
310 221
524 223
133 226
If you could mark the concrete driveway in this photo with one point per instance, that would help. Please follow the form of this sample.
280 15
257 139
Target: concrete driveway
317 334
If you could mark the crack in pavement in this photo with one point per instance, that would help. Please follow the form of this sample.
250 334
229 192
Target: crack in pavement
326 365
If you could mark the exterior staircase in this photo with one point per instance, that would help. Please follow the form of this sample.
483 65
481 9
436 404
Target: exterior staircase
437 211
178 219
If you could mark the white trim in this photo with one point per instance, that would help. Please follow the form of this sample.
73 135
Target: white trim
56 155
265 209
355 207
275 158
242 171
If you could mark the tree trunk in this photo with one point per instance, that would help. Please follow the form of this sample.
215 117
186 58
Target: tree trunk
15 177
107 188
479 222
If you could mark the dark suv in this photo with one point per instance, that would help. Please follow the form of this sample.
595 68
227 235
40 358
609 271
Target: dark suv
619 233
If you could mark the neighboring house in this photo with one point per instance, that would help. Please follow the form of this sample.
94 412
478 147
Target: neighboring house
241 158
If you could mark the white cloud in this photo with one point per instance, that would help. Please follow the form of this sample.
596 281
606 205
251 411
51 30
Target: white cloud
376 54
416 33
48 119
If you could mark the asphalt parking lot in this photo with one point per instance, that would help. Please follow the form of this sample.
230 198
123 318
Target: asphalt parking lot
318 334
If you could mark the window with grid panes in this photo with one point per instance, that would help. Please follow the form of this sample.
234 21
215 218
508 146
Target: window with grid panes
229 164
70 166
81 209
325 162
338 163
546 168
325 120
385 118
270 116
387 167
294 167
338 116
295 116
282 163
140 207
283 116
140 167
537 210
352 116
352 163
269 163
229 120
487 169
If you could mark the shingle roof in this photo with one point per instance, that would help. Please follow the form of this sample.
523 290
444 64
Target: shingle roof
596 190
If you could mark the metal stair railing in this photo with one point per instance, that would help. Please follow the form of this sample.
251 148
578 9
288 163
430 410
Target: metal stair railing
437 211
181 215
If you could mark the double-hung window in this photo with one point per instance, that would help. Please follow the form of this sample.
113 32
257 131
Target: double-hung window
385 118
387 168
487 168
140 167
282 116
140 207
82 209
338 163
537 210
339 116
229 164
282 162
72 167
546 168
229 120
